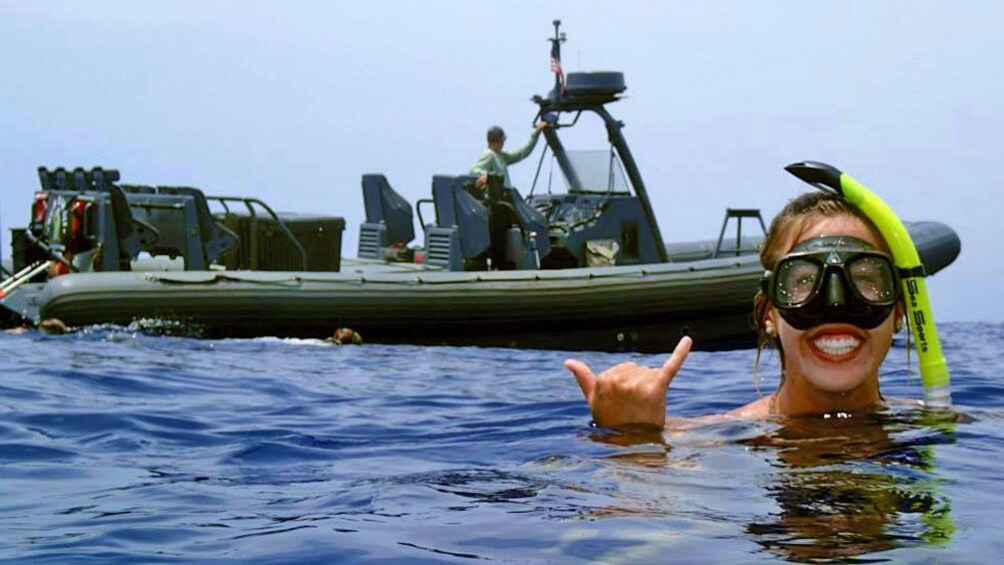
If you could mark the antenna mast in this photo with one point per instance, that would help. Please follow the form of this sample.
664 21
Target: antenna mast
559 74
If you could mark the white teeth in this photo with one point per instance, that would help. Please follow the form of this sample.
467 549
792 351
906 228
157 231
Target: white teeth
837 346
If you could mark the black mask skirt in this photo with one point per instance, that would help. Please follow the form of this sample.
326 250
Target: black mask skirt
833 279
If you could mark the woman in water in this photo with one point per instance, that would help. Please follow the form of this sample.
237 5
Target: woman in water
829 303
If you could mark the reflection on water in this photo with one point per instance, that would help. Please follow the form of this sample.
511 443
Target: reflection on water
845 486
848 487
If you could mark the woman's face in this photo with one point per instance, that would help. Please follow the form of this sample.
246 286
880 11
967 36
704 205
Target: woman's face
834 358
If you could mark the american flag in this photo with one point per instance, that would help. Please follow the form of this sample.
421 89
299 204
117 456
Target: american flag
559 74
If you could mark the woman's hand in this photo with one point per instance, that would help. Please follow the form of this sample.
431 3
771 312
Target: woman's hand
629 393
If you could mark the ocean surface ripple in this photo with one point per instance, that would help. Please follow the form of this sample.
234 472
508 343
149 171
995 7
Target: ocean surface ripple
118 446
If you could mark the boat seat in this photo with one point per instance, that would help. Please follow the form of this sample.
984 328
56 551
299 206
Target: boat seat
389 218
474 221
175 218
80 180
145 218
531 222
133 234
119 234
103 179
442 198
442 248
519 233
61 179
217 239
460 214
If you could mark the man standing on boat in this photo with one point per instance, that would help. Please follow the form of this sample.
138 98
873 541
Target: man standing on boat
495 161
501 215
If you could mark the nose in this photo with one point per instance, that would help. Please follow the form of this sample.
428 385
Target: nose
835 292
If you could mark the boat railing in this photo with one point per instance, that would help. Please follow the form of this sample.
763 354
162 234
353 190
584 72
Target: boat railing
418 209
250 203
739 214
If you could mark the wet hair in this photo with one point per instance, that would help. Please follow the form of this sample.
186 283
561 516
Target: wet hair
784 230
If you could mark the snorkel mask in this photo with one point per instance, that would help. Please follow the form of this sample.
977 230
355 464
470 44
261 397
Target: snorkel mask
833 279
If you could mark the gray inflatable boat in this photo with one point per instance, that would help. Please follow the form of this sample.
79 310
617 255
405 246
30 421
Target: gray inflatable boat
581 267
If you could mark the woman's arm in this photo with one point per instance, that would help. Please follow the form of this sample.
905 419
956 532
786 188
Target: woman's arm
629 393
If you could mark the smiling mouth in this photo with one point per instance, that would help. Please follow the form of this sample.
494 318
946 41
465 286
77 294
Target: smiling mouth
836 346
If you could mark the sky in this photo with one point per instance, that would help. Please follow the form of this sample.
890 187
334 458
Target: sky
292 102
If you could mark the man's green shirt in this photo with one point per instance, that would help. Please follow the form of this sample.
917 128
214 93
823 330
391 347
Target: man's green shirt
496 162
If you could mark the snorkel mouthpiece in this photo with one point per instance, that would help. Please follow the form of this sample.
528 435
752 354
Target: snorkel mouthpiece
933 367
820 175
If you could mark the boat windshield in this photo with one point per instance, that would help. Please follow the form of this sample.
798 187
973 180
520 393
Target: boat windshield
599 171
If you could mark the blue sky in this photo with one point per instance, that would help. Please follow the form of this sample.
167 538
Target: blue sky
292 103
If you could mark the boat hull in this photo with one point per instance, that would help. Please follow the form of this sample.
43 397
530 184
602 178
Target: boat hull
640 308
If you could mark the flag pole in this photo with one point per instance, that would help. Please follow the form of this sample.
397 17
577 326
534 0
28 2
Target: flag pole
559 74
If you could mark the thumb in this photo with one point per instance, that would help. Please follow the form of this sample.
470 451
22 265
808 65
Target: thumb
675 361
584 375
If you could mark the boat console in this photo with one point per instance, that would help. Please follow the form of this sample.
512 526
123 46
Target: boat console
605 218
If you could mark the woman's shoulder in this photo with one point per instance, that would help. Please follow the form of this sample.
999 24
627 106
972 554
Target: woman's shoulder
759 408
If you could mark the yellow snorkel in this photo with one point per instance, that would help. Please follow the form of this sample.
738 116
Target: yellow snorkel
933 368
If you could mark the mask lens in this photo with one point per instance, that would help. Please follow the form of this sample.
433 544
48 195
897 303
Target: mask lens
873 279
834 279
797 280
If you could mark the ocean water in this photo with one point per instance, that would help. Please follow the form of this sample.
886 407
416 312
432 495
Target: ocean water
117 446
